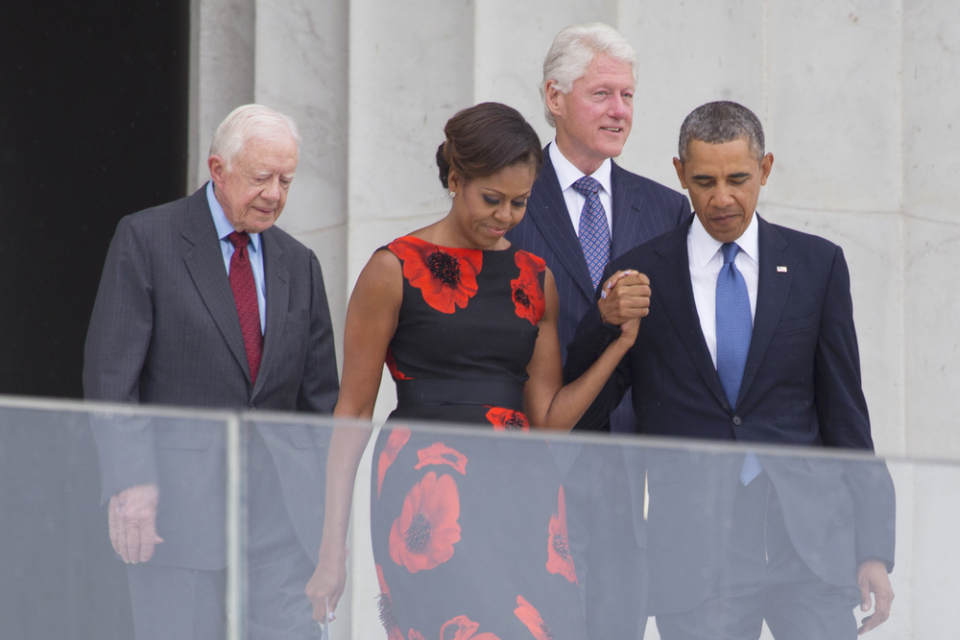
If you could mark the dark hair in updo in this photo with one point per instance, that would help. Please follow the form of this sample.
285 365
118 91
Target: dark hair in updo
486 138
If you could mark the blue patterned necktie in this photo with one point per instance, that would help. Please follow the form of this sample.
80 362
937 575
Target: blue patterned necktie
734 330
594 233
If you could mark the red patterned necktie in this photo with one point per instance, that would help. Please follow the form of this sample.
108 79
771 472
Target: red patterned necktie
245 295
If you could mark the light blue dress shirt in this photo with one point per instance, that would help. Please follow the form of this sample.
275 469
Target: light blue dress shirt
254 250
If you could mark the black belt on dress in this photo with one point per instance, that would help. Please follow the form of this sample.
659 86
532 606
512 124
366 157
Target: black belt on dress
439 391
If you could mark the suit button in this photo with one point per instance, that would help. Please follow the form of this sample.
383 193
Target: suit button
253 407
736 421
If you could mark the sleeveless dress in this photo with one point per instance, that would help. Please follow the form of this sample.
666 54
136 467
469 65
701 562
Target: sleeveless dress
469 532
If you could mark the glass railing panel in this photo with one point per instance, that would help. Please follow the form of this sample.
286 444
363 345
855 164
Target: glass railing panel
643 526
62 466
586 536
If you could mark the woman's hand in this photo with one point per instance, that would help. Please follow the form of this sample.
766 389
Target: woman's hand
328 581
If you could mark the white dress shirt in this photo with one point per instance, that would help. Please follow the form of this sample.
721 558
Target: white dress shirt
567 174
706 259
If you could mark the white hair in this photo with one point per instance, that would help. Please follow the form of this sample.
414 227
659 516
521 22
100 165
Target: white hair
246 122
572 51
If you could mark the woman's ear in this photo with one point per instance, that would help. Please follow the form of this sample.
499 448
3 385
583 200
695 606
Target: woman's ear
454 181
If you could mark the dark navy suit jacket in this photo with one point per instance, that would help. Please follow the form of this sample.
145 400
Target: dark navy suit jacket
801 386
598 490
642 210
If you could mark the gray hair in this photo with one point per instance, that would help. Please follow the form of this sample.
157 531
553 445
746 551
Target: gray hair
246 122
572 51
720 122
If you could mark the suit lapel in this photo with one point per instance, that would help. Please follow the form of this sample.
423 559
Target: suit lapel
627 207
548 210
204 262
773 287
278 295
673 275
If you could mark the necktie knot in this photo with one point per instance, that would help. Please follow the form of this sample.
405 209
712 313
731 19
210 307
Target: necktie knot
239 239
730 250
586 185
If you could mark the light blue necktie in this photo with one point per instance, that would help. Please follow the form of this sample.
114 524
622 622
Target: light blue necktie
594 233
734 329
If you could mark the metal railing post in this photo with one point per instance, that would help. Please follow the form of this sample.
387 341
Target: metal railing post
236 533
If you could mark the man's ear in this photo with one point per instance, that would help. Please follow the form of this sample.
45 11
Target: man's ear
554 98
765 165
218 169
678 165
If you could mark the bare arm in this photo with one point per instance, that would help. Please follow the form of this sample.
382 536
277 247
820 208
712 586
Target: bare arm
371 322
548 403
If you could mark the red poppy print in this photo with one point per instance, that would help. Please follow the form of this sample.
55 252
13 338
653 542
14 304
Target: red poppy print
398 438
446 277
507 419
463 628
439 453
424 534
386 609
392 367
528 300
559 559
415 635
528 615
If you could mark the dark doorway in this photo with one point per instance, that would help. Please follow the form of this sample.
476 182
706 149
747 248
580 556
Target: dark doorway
93 126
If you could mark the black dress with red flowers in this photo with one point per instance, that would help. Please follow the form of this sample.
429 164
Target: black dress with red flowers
469 532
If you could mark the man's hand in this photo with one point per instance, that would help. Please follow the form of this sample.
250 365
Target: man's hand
133 523
872 578
625 296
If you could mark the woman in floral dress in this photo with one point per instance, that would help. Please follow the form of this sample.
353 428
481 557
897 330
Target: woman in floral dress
469 533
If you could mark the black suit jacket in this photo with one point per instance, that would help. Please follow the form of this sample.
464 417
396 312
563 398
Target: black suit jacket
801 386
165 331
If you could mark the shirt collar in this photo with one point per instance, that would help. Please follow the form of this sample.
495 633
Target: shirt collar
567 174
224 228
705 246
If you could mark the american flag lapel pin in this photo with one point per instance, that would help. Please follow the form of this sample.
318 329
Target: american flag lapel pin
781 268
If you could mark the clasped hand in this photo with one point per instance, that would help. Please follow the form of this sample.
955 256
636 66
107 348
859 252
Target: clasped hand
625 298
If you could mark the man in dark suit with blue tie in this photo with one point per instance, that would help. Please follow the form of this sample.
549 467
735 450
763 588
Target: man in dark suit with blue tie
584 210
203 302
747 336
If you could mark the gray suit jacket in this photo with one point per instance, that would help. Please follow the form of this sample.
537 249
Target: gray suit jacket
165 330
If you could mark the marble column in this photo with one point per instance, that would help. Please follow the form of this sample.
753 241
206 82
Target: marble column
221 73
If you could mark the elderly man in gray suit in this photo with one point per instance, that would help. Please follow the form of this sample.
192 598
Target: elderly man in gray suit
203 302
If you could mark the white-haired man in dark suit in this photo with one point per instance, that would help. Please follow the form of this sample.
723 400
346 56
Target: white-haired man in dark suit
585 210
203 302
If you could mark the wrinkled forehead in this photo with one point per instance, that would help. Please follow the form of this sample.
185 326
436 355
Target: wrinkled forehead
278 152
603 68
